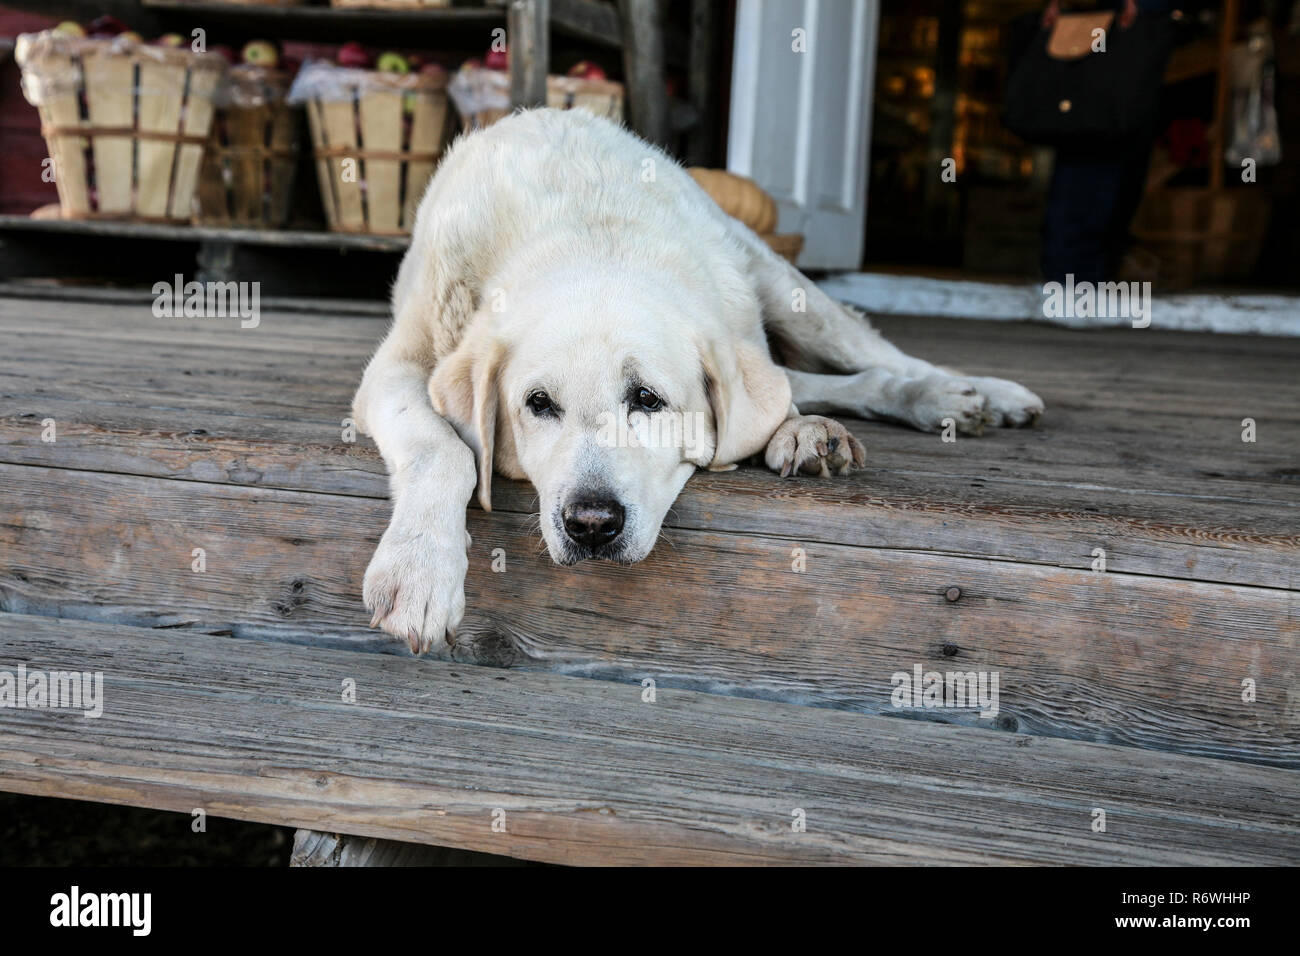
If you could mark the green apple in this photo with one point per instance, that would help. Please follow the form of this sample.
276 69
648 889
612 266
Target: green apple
70 28
260 53
391 62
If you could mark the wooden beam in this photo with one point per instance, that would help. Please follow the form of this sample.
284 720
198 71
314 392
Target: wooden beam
530 51
702 141
643 68
1222 93
585 771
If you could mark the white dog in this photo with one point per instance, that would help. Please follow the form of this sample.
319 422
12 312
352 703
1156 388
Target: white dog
567 287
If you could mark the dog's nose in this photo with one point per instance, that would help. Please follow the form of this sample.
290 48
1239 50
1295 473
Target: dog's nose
593 523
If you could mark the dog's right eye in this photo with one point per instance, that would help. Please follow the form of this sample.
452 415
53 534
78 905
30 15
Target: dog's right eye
540 403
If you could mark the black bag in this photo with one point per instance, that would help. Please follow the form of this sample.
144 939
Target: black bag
1061 93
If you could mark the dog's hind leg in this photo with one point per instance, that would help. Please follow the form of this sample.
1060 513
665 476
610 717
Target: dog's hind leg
816 334
415 584
927 403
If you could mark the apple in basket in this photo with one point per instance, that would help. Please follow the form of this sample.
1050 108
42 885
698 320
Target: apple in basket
106 27
70 28
260 53
586 70
390 62
226 52
353 54
497 59
173 40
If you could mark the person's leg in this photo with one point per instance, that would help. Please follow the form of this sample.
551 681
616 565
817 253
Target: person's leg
1081 203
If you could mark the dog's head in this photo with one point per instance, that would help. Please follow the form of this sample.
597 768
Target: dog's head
606 394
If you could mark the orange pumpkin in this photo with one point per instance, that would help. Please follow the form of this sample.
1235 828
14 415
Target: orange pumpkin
739 197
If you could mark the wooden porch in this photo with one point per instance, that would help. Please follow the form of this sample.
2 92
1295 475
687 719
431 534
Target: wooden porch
1162 690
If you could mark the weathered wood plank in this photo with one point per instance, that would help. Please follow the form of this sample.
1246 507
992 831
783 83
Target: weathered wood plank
642 26
957 505
1168 493
1108 657
433 752
528 23
312 848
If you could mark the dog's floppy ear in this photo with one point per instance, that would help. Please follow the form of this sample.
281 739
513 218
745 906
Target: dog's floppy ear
749 395
463 389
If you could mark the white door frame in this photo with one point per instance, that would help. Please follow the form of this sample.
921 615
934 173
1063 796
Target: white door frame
830 210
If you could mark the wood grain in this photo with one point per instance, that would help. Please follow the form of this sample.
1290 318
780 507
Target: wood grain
429 751
1108 657
1171 492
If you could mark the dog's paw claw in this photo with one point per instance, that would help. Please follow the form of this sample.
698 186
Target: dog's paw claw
1010 405
415 588
814 445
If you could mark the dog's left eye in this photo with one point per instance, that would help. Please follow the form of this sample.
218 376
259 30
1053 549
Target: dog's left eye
645 399
540 403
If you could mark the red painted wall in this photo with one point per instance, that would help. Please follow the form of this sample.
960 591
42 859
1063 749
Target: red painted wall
21 146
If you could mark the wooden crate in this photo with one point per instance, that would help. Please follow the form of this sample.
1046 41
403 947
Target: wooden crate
126 124
377 138
1202 234
247 175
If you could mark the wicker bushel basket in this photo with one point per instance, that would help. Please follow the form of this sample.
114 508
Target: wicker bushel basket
390 4
126 124
1202 235
482 96
248 171
377 138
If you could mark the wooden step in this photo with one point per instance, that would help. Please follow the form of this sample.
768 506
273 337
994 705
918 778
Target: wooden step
587 771
176 434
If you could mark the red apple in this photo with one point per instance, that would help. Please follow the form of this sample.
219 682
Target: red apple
225 51
106 26
353 54
497 60
586 70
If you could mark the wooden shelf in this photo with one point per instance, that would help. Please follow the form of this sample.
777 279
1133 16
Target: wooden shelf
295 238
589 20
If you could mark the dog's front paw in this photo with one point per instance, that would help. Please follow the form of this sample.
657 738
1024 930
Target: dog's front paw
929 402
815 446
1009 405
415 586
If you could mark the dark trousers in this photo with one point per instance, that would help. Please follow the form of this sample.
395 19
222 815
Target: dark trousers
1090 204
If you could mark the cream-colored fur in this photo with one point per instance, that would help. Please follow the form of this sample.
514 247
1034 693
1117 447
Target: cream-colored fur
561 271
